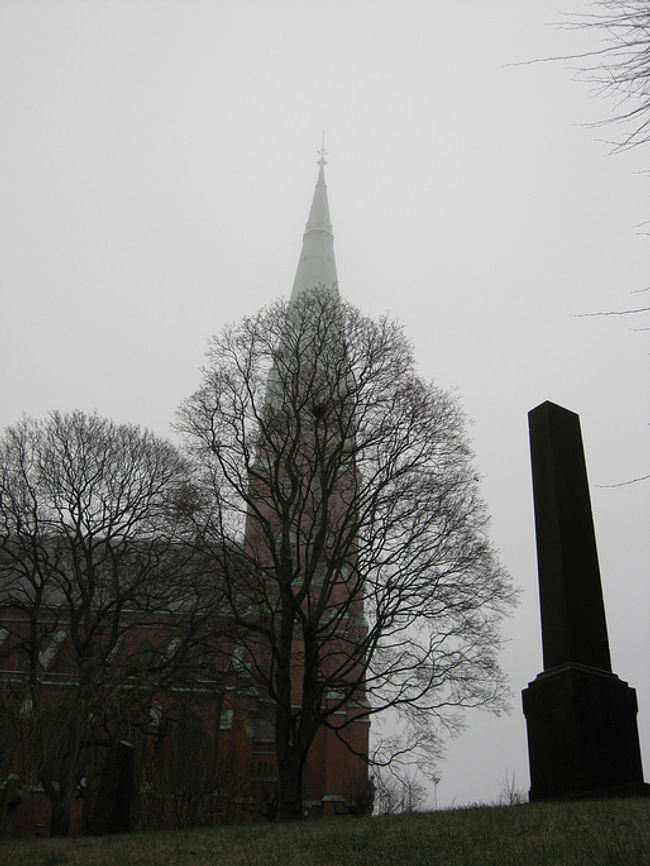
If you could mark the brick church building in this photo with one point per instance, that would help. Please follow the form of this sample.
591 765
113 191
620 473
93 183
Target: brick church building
196 752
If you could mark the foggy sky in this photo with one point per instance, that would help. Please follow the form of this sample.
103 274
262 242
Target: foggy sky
157 161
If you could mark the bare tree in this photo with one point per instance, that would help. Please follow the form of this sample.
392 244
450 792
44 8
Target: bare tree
98 594
347 523
511 793
621 68
397 793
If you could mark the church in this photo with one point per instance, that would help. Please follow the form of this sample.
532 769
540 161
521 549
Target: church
207 752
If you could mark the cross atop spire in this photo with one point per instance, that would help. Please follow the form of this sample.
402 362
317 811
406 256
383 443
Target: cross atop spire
323 153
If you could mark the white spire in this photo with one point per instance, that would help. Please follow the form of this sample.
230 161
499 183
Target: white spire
316 266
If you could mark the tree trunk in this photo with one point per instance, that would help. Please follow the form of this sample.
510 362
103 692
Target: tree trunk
60 817
290 756
290 793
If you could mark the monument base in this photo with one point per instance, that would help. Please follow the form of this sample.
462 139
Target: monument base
582 735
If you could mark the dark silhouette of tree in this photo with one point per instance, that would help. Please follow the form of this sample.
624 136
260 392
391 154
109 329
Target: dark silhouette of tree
347 524
94 532
620 69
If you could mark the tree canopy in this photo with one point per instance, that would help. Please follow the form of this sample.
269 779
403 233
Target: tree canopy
94 546
345 517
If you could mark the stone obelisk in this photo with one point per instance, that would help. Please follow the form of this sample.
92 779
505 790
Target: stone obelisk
582 731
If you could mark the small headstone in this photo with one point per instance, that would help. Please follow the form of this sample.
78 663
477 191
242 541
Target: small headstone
10 800
581 718
112 810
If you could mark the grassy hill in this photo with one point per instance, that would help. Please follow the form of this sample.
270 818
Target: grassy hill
598 833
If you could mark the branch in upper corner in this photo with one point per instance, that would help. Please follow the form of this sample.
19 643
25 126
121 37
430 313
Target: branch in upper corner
610 313
620 68
626 483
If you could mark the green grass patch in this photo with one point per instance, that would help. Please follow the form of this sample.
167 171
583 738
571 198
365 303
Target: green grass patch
598 833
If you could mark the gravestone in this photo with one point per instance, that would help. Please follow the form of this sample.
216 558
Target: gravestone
581 718
10 800
112 810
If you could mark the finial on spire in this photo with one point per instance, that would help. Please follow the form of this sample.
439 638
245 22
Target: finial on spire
323 153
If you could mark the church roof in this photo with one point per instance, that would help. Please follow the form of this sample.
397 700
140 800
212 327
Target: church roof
316 266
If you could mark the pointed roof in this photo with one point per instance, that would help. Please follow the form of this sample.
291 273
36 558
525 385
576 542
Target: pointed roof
316 266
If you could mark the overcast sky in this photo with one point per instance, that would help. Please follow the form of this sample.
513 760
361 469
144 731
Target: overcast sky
157 162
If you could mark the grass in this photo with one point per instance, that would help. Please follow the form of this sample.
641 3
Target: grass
598 833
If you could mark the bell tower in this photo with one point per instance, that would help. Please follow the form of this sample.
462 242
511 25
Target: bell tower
300 536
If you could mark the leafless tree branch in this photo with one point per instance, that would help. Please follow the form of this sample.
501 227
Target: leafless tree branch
346 521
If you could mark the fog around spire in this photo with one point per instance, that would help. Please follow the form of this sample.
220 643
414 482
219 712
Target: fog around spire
316 266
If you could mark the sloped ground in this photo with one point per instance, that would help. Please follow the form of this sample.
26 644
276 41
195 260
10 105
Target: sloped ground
598 833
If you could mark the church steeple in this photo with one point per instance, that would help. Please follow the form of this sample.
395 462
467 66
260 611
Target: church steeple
316 266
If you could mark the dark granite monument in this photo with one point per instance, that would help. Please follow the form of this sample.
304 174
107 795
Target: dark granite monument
582 732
